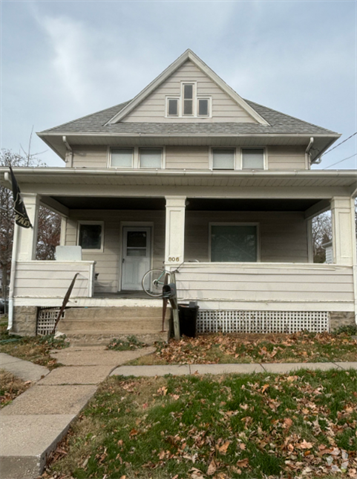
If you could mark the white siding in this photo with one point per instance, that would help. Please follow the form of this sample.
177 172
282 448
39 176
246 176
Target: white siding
108 262
90 156
224 109
187 157
283 236
52 279
286 158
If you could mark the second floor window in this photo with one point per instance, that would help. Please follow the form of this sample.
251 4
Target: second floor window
253 159
150 157
122 158
223 159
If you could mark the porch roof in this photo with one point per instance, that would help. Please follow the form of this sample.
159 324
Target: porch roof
72 177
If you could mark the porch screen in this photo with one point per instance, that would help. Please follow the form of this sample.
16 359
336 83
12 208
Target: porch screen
233 243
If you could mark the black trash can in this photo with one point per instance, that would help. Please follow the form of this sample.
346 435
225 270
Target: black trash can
188 319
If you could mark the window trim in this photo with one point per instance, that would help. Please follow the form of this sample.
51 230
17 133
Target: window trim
87 250
163 157
122 167
233 223
265 159
222 148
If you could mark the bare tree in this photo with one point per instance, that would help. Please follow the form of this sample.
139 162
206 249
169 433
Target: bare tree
321 234
48 223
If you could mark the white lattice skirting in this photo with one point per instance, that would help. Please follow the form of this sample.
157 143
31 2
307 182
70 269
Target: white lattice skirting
46 319
214 321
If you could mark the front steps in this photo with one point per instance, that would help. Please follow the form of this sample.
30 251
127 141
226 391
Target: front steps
113 322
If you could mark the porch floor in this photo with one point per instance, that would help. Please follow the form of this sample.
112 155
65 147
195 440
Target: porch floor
124 295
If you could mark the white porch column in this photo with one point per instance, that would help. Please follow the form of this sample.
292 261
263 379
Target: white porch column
343 230
175 230
27 239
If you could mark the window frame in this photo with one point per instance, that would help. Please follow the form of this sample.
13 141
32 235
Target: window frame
90 250
233 223
162 148
265 159
211 153
122 167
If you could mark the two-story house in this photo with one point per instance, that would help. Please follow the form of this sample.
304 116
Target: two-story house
188 172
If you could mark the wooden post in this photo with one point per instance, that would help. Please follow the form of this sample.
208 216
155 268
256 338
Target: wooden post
174 306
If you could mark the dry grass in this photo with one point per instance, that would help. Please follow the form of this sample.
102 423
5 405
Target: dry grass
11 387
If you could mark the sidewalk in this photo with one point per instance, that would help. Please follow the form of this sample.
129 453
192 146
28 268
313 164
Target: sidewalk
36 421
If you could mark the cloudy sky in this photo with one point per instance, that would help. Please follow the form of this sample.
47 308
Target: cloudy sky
65 59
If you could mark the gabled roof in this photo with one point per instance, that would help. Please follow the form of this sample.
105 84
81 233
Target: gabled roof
187 55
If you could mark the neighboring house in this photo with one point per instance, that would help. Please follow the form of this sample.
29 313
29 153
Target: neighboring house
190 172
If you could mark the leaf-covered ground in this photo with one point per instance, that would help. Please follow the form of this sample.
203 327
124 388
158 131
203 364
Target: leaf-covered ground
255 348
11 387
35 349
233 426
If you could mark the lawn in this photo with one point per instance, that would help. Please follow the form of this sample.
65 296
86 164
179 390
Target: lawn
220 427
255 348
36 349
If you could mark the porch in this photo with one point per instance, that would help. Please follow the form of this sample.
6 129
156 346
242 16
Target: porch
267 266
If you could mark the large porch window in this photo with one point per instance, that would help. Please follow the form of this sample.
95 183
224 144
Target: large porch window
234 242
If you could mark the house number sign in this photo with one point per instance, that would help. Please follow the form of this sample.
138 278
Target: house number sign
174 259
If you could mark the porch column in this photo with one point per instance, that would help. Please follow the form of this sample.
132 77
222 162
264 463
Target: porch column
175 230
27 239
343 230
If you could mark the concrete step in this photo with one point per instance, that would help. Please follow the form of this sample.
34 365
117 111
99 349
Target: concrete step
105 326
114 313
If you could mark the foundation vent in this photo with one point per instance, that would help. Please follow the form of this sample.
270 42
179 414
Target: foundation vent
46 319
227 321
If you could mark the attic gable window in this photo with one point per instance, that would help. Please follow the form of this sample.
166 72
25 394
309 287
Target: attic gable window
188 98
172 106
203 106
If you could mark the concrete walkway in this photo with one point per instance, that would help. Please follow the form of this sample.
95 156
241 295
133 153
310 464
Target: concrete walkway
34 423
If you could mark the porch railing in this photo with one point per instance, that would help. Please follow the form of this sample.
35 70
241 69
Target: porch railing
51 279
268 286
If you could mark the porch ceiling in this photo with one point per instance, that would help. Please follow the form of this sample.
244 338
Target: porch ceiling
194 204
241 204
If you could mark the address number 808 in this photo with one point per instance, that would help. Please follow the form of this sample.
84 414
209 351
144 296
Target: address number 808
174 259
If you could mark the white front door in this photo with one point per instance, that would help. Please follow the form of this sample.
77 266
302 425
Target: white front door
136 256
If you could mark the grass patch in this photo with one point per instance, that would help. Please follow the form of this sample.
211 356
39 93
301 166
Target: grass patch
229 426
11 387
35 349
254 348
130 344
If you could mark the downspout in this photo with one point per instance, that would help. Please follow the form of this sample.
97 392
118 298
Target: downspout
308 158
68 148
354 266
13 269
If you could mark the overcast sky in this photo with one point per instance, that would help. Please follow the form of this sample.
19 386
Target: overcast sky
65 59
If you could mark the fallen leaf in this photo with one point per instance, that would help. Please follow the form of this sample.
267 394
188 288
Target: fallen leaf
223 449
265 387
211 468
243 463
